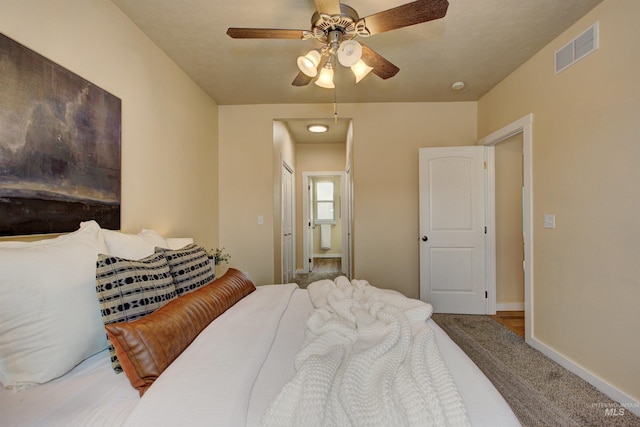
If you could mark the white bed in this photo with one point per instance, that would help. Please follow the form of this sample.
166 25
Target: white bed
228 376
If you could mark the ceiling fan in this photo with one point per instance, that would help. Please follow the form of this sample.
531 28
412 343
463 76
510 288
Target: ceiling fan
336 25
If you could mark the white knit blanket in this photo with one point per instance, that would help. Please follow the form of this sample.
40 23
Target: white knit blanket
369 359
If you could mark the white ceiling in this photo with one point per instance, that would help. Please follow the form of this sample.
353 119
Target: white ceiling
479 42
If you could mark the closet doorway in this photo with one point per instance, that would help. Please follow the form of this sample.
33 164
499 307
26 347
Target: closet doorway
518 136
509 191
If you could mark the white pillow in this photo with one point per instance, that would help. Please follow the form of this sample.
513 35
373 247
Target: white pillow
49 314
178 242
133 246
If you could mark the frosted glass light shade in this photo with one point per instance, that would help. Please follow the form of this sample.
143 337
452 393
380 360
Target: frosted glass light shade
349 53
360 70
308 64
319 128
325 79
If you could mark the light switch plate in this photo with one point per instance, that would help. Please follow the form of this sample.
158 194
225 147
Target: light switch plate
549 221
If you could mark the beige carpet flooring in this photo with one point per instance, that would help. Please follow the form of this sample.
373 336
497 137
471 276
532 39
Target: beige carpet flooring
540 392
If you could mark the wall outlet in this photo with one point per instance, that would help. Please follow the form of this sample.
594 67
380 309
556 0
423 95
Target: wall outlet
549 221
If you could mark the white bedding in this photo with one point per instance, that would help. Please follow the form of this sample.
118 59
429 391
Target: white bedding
228 376
90 395
368 358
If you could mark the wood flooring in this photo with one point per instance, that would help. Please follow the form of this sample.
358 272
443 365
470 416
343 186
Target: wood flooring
512 320
327 265
323 268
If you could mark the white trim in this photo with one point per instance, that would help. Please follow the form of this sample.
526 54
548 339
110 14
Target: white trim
327 255
524 126
490 221
510 306
305 226
292 259
617 395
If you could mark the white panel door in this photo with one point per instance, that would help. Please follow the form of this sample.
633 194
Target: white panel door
452 229
288 255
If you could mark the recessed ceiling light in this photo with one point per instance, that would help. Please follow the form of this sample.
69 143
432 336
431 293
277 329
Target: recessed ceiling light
317 128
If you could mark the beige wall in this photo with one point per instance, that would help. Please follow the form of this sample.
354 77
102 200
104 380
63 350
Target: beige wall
169 125
509 231
386 138
585 154
386 143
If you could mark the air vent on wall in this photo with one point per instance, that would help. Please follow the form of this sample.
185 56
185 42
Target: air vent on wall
577 48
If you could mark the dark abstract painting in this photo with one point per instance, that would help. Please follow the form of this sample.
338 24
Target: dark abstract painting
59 147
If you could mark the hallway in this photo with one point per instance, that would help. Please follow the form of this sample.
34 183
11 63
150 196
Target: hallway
323 268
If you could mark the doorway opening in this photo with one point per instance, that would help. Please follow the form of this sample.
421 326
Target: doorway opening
509 233
522 129
323 239
325 217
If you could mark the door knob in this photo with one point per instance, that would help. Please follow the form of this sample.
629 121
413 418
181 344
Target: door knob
425 238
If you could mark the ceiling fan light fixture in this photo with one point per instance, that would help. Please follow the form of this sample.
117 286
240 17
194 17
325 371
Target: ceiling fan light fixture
361 70
318 128
335 25
349 53
308 64
325 79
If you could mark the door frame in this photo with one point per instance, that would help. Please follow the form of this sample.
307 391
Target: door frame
292 193
522 126
345 218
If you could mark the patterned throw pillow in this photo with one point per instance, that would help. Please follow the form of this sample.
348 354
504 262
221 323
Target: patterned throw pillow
190 267
129 290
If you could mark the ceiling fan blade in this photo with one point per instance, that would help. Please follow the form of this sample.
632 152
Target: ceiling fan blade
302 79
264 33
329 7
403 16
381 67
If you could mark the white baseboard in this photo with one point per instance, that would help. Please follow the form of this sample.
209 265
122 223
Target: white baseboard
626 402
510 306
327 255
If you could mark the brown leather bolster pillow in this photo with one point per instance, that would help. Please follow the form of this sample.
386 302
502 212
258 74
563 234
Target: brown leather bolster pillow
147 346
